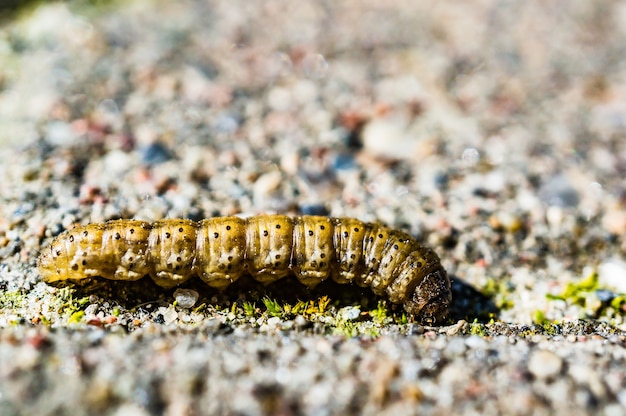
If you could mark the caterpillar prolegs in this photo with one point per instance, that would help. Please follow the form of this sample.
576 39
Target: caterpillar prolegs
268 247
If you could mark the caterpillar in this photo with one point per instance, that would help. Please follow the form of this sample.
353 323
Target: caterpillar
268 247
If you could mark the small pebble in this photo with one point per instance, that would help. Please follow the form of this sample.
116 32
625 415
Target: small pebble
343 162
314 209
169 315
186 298
476 342
456 347
544 364
558 191
226 123
416 329
279 99
605 295
349 313
155 153
60 133
612 274
586 375
389 138
454 329
301 322
273 322
614 220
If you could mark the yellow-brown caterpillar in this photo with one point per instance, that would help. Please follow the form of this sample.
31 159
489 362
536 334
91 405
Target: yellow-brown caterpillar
268 247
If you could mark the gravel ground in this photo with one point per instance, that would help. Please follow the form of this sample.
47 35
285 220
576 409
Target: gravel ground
492 131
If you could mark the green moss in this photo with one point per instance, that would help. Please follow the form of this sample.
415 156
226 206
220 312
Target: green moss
249 308
323 304
299 308
273 307
311 307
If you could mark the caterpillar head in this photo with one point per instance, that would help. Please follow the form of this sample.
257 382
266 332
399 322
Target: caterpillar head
430 301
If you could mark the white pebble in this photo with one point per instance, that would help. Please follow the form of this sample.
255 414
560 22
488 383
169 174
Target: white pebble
273 321
305 92
586 376
456 347
186 298
544 364
117 162
300 321
130 409
279 99
169 315
614 220
470 157
60 133
265 185
349 313
612 274
389 138
475 342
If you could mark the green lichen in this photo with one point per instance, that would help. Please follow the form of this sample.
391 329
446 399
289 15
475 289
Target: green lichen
539 317
200 308
551 328
584 294
476 328
351 328
500 291
577 291
66 304
618 302
379 315
11 300
346 328
76 317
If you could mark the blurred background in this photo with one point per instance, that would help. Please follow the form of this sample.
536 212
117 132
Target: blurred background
491 130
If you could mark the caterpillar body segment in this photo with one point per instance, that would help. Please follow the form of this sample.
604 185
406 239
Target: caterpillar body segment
223 242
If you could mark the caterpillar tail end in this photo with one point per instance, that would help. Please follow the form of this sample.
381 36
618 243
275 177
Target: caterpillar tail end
429 303
47 267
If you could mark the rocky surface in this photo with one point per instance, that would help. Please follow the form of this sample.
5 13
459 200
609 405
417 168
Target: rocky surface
493 131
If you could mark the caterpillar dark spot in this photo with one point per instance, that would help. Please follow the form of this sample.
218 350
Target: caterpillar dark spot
220 250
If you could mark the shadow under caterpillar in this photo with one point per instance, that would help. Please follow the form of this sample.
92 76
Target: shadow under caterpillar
268 247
